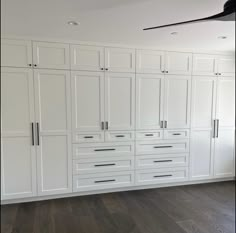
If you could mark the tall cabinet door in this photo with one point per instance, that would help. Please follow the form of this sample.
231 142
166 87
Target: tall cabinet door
119 101
224 142
203 114
52 106
177 101
149 101
18 157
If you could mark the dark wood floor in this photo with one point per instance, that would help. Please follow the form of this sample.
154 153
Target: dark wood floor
206 208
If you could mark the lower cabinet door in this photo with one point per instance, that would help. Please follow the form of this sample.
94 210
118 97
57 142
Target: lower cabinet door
102 181
224 153
160 176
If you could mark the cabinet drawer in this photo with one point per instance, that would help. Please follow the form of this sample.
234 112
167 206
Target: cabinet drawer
88 137
157 161
102 165
102 181
119 136
149 135
103 150
159 176
176 134
160 147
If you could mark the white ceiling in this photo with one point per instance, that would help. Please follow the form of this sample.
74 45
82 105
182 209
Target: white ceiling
120 22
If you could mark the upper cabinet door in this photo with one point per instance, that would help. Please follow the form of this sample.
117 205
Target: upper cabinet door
53 114
18 158
16 53
88 58
225 110
149 101
51 55
178 63
204 64
226 65
87 101
203 102
177 101
150 62
120 60
119 101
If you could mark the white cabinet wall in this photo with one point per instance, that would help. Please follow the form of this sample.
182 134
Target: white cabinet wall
77 118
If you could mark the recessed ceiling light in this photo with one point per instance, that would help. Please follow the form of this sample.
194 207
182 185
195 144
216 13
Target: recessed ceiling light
174 33
222 37
73 23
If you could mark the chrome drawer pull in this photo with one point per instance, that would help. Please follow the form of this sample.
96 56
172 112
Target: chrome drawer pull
162 176
162 161
104 149
88 137
162 146
103 165
103 181
176 134
32 132
120 136
149 135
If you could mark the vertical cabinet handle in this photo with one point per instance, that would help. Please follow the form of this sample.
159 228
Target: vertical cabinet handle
165 124
161 124
37 127
214 128
217 131
102 125
107 125
32 132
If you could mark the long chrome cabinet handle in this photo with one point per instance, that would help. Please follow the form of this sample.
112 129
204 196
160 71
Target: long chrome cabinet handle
107 125
162 146
104 149
161 124
165 124
37 127
217 131
214 128
32 132
102 125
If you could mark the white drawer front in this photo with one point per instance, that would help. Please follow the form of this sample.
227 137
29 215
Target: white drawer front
161 147
157 161
176 134
158 176
102 181
103 150
149 135
102 165
119 136
88 137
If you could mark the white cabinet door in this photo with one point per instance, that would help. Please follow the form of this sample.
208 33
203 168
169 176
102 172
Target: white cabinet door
178 63
120 60
51 55
88 58
225 110
16 53
224 153
201 154
148 61
204 64
226 65
177 101
87 101
119 101
203 102
149 101
52 106
18 158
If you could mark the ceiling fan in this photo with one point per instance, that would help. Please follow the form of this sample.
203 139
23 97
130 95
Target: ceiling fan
227 15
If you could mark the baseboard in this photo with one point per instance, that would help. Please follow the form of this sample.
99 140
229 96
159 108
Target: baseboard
124 189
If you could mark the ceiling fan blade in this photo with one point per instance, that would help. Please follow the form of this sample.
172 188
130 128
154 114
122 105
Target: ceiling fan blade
213 17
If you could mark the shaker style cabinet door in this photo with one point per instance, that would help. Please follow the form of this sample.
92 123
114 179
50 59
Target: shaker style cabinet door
87 58
178 63
226 65
18 155
119 101
53 127
177 101
150 62
51 55
149 101
120 60
204 64
87 101
16 53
